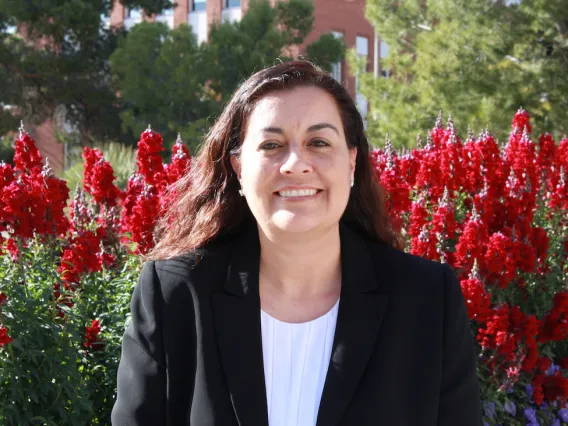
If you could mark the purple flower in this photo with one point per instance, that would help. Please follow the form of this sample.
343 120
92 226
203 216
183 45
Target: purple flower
563 414
489 408
530 415
485 423
529 390
556 422
552 369
510 408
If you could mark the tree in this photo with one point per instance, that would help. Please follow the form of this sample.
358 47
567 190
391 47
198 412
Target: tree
58 62
166 79
478 60
161 75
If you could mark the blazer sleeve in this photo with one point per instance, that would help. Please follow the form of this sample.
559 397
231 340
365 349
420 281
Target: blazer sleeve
460 402
141 378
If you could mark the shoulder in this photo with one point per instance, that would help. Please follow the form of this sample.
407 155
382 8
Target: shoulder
203 269
405 273
405 264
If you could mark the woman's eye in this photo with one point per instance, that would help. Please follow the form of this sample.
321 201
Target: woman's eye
269 145
319 142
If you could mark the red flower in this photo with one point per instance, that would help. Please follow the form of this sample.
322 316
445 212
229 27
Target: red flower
500 260
4 338
12 249
99 178
26 155
3 298
555 388
556 322
477 300
538 393
92 338
149 162
522 121
181 161
471 244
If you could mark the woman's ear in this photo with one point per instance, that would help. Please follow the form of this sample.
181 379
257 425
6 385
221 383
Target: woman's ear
236 165
353 159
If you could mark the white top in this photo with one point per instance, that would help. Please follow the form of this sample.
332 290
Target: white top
296 358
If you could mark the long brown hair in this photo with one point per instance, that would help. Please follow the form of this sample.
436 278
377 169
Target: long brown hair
207 204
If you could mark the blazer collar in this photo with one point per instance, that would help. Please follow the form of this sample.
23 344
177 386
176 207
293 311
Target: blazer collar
238 329
356 264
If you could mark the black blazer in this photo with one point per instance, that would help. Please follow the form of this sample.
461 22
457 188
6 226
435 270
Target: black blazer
402 355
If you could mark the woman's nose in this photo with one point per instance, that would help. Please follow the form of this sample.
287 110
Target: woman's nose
295 162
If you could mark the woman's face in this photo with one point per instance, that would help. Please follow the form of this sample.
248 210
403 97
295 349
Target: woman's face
295 167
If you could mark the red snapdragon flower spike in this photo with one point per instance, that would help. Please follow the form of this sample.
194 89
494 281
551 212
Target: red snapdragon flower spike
546 152
471 244
56 193
555 327
473 167
538 392
99 178
143 220
134 187
26 154
425 245
12 249
478 302
4 338
430 176
418 216
181 161
521 121
443 221
3 298
149 159
106 259
556 388
81 257
398 198
500 260
92 338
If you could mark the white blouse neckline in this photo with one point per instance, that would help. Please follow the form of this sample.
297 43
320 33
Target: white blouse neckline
293 324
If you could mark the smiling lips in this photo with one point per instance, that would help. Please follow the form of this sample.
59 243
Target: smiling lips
299 193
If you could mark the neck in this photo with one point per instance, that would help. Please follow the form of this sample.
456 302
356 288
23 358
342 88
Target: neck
300 267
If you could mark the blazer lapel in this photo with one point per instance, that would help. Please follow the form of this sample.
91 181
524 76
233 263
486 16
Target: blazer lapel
361 309
237 325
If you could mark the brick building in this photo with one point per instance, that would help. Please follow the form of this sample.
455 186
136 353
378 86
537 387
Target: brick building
343 18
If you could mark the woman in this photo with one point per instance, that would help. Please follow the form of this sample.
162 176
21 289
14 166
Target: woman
277 293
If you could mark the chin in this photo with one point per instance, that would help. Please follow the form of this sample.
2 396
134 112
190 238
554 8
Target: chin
295 223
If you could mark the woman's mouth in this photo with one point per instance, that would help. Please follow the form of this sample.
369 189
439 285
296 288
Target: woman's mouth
299 194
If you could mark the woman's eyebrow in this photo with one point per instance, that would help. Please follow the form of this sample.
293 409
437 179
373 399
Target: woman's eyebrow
312 128
272 130
321 126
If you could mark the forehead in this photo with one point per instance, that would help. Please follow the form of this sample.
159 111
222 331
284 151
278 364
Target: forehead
296 108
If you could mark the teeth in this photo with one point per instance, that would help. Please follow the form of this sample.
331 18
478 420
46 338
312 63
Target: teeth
301 193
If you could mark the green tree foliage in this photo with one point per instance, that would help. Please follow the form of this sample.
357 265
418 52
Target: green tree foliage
161 76
59 60
478 60
168 80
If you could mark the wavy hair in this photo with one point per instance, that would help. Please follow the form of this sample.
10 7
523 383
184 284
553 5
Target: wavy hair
206 204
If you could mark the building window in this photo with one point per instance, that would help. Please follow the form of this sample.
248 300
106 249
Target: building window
198 5
383 53
336 67
232 3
